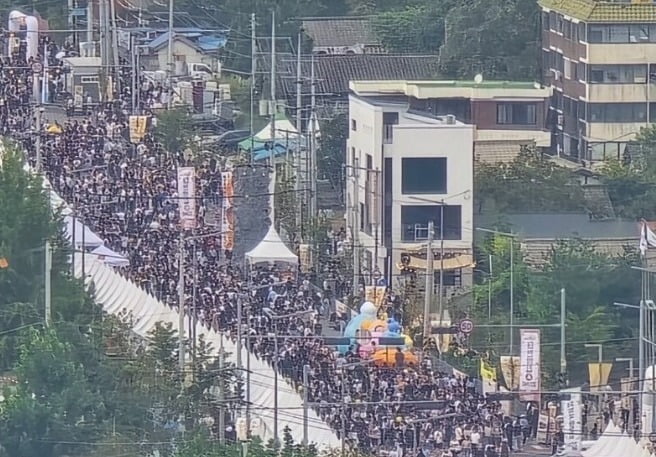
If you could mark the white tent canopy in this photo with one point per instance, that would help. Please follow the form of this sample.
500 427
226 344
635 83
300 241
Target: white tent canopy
607 438
271 249
111 258
284 129
83 234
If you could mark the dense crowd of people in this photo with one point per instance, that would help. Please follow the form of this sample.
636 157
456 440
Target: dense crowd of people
127 194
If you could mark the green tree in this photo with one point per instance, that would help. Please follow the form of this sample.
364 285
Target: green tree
332 150
592 281
497 39
174 130
630 181
530 183
418 29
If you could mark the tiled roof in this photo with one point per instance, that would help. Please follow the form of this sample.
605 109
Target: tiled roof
333 73
338 32
603 11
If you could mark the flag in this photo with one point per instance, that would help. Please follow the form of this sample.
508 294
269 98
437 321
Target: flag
647 238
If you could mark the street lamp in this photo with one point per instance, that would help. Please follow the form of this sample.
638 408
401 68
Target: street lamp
512 237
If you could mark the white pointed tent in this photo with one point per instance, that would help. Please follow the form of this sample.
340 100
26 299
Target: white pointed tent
283 129
271 248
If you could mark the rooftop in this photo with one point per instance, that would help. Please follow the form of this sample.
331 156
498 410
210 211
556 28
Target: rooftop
203 41
332 32
604 11
560 226
333 73
450 89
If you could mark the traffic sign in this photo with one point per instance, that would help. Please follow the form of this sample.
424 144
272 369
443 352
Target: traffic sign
466 326
37 67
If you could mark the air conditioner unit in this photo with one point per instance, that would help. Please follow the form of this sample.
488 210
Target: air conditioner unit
561 120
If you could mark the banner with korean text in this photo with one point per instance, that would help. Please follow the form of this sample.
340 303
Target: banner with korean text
572 415
227 211
187 197
529 358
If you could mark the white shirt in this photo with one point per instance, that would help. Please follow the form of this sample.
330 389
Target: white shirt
475 438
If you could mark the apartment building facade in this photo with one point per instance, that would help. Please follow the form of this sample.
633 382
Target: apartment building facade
410 160
599 57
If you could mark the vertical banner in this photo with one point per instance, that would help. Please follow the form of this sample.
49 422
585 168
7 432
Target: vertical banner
572 414
138 125
489 377
599 373
375 294
305 257
529 361
510 371
187 197
227 212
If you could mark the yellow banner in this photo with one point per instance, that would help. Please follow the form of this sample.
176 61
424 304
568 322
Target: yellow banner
599 373
510 371
138 126
375 294
488 372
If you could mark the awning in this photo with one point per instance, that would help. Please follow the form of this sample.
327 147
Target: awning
454 263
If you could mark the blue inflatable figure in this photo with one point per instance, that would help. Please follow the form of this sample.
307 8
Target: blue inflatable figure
367 313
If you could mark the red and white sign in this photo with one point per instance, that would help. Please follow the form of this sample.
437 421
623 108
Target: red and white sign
187 197
529 380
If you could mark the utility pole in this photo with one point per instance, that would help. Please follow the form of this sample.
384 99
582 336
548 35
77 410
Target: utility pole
306 400
38 139
47 287
512 294
275 385
102 36
313 139
356 225
441 287
221 394
563 318
273 106
133 56
169 68
428 294
114 43
181 308
377 204
300 168
90 21
253 73
239 343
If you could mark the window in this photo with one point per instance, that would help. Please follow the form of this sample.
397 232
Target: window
363 213
617 112
517 113
622 33
354 125
423 175
415 219
545 20
389 121
618 74
581 31
553 18
580 71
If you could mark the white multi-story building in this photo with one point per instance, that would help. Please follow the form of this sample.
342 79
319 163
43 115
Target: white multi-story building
408 169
